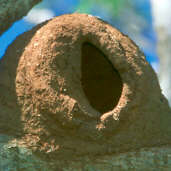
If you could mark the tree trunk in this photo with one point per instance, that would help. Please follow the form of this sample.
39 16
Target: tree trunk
162 23
11 11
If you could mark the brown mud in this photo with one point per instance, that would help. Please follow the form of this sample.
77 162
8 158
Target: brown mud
75 86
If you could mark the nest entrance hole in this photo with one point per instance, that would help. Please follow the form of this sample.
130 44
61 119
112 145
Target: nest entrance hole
100 81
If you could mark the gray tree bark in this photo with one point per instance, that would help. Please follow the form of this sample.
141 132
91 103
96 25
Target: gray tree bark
13 10
162 23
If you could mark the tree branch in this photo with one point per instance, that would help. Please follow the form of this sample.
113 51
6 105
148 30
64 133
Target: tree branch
13 10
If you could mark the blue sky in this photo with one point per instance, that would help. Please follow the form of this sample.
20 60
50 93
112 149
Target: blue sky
146 38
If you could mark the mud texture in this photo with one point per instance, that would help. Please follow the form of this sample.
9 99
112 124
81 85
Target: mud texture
78 87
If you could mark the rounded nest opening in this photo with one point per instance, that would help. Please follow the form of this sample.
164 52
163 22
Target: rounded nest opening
100 81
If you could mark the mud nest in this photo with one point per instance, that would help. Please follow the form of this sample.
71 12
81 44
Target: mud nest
85 88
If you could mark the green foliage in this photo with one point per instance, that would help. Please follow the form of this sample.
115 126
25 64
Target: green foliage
112 6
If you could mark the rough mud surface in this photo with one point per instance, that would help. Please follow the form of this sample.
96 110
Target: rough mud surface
59 76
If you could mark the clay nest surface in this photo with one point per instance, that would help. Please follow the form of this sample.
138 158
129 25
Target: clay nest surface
84 88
